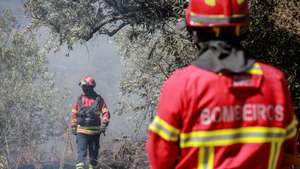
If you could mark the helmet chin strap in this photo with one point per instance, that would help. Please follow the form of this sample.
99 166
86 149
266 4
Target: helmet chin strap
89 91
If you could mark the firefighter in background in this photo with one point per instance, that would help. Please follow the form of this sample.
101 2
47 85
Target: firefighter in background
90 118
225 110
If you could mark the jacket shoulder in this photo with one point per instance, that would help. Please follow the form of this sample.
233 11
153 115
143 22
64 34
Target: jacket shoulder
175 81
191 73
180 75
271 72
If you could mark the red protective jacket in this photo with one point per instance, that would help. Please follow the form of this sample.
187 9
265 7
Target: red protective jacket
207 120
103 113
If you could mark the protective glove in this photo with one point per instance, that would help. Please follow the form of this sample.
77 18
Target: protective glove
103 127
74 130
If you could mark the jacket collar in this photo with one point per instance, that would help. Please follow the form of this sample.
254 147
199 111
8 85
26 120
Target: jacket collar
223 57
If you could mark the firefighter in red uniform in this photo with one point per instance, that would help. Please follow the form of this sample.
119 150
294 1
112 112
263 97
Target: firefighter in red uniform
90 118
225 110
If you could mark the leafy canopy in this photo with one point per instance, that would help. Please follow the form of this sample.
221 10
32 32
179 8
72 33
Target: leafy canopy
151 46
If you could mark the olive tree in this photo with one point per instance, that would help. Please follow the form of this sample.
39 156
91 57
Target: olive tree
29 107
152 48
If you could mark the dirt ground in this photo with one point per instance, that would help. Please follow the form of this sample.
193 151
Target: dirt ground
126 154
118 154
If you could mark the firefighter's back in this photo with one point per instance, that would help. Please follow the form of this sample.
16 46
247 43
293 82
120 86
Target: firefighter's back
233 121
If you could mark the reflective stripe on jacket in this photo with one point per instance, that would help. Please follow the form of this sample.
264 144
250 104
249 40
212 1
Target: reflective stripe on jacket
207 120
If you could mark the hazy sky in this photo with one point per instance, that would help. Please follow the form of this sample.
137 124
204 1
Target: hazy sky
98 57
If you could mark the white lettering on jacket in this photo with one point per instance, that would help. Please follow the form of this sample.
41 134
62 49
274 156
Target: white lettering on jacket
247 113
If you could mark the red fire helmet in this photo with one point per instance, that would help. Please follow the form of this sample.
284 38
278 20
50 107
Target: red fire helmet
88 80
217 13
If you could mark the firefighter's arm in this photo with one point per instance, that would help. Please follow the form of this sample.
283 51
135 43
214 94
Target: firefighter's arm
162 146
74 114
290 155
163 139
290 145
105 115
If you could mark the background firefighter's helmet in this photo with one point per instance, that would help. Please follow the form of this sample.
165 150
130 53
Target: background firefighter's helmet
88 81
216 14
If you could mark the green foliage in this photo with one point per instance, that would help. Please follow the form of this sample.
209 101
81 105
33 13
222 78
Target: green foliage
28 107
275 38
76 20
148 60
156 49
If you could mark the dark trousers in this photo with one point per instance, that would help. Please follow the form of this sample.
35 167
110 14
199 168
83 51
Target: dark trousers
87 143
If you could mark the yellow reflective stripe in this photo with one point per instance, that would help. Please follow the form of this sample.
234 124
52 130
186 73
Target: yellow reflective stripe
292 134
210 2
209 158
166 125
201 158
216 16
80 165
90 166
294 123
87 131
206 158
271 157
89 128
277 153
163 129
240 1
233 131
226 142
232 136
274 154
104 109
292 128
210 162
255 70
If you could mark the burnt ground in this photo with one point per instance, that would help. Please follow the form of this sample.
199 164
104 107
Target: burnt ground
120 154
48 166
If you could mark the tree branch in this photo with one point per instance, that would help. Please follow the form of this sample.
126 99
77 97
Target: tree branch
113 32
97 28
